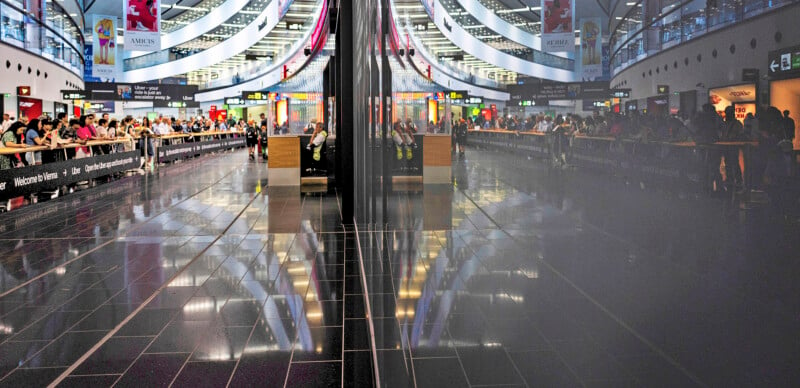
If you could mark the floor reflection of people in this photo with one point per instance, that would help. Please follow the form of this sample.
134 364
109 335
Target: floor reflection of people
460 180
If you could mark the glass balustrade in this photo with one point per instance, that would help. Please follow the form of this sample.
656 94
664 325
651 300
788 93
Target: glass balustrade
44 28
655 25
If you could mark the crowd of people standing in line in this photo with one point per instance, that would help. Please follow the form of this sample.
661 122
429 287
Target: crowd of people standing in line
770 130
63 130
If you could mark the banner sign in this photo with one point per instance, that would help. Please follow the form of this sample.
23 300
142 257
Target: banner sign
33 179
558 33
591 55
175 152
104 46
141 92
559 91
142 25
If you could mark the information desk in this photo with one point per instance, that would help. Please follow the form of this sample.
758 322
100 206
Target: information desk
284 160
684 165
437 159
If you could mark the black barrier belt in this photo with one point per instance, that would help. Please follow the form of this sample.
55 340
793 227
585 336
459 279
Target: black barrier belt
653 163
175 152
33 179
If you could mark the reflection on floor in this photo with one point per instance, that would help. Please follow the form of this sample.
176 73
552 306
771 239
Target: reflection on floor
516 275
552 278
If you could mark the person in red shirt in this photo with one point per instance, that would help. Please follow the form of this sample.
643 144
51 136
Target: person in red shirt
84 134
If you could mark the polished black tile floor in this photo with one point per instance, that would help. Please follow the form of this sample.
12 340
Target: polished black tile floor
517 275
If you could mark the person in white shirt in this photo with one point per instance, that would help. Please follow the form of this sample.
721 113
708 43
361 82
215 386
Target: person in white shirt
6 121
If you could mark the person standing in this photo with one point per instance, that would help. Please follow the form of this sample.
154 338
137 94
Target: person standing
263 139
6 122
251 136
788 126
461 137
732 131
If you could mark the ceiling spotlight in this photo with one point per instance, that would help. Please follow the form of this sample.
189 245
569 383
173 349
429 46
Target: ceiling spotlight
411 52
307 51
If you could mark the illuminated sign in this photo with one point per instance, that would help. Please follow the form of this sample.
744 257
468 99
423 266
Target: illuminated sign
621 93
474 101
662 89
458 95
23 90
74 95
234 101
784 62
255 96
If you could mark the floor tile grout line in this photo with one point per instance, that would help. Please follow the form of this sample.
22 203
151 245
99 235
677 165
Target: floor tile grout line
213 272
119 327
154 338
344 308
368 308
671 263
191 353
113 238
608 312
50 342
516 368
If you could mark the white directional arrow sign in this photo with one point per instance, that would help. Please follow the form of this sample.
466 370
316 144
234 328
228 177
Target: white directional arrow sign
773 66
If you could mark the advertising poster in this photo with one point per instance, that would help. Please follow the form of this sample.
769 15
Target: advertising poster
741 96
104 46
142 25
591 55
558 26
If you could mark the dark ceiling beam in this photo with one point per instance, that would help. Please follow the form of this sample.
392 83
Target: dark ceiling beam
604 8
86 8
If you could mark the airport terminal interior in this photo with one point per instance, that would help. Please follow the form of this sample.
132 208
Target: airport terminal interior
399 193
